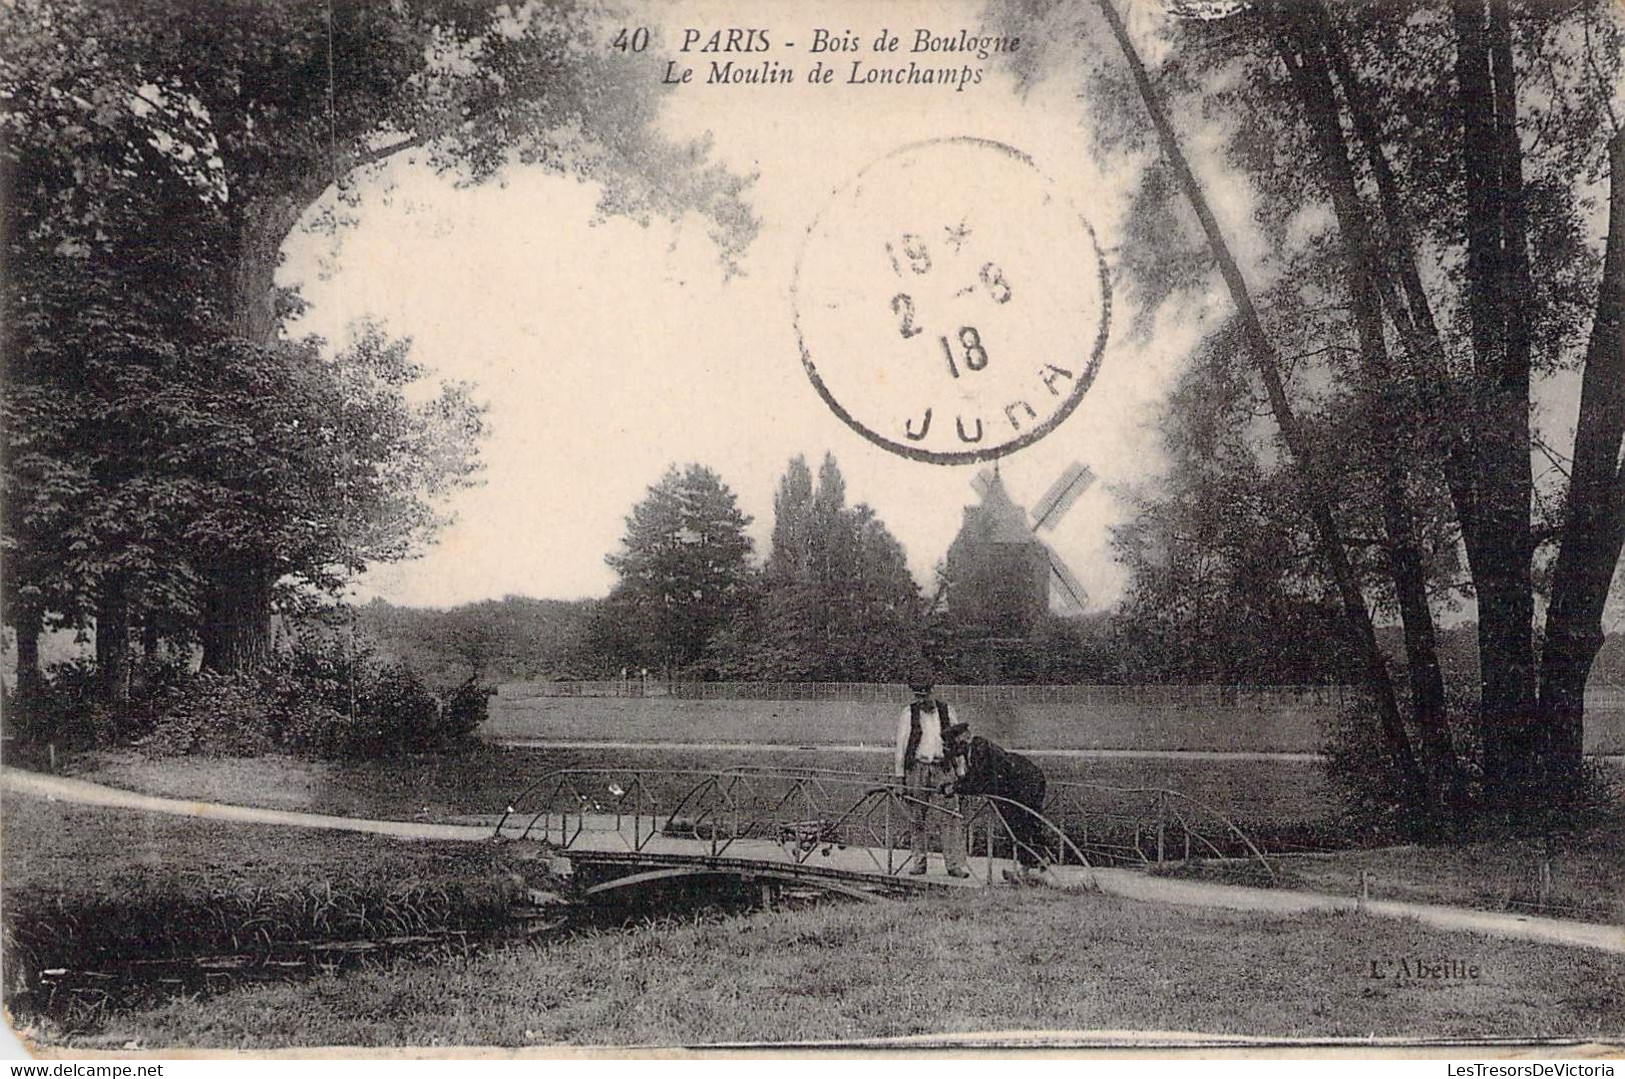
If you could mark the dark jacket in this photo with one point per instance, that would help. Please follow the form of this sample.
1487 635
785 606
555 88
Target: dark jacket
991 769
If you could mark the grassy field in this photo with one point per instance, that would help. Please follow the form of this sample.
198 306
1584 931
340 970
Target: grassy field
818 723
82 883
1003 960
1587 874
1248 728
99 892
1283 804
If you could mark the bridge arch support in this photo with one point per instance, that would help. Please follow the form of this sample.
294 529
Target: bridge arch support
674 872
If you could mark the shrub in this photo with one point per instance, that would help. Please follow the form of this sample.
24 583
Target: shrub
218 715
394 711
67 709
1365 772
467 709
396 714
335 698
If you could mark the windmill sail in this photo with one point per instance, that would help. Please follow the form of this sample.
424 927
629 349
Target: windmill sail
983 482
1073 595
1061 495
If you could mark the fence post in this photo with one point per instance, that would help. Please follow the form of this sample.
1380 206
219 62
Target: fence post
1162 822
887 829
989 851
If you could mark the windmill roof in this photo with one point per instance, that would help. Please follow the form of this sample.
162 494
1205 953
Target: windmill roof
1002 520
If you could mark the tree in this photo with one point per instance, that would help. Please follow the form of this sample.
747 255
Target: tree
1403 123
1224 583
836 601
257 109
307 470
683 565
790 556
88 530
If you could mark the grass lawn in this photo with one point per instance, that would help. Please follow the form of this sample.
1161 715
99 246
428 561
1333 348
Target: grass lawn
1278 728
1587 874
1004 960
89 888
1280 802
1253 726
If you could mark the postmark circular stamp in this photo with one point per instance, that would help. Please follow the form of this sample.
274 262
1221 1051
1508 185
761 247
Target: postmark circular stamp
950 305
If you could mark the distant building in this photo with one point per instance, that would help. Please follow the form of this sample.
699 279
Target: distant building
997 572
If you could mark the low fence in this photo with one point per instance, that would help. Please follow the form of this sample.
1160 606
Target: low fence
1150 696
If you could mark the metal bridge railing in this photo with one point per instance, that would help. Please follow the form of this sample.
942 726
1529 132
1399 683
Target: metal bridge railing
809 813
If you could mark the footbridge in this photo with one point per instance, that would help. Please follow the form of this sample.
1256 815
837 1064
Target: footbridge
850 832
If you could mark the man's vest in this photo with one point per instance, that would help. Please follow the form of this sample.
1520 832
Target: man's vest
913 745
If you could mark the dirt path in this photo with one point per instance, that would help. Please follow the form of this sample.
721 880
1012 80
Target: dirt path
59 788
1134 885
1121 882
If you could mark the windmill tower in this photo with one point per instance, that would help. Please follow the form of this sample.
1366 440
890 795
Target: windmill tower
999 576
1047 513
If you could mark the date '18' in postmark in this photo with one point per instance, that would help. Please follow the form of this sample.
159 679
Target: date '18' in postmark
951 306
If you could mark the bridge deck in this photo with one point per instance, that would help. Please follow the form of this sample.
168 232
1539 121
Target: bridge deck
629 840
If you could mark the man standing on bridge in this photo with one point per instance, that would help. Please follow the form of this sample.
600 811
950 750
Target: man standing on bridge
922 763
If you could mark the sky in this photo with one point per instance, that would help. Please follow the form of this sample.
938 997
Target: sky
608 350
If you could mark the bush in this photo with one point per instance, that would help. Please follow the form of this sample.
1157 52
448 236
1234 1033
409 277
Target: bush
219 715
468 708
394 711
1364 771
67 709
306 708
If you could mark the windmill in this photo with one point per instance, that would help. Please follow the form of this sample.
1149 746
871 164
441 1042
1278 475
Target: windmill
1056 502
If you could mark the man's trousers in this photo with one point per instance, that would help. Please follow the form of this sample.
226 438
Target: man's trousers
935 812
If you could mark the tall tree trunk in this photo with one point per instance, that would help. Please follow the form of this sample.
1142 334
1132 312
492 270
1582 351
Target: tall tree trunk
237 617
29 623
1594 524
1499 547
113 641
1302 40
1357 616
237 614
1408 304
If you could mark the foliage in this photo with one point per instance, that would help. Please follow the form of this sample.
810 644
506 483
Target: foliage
360 706
492 641
225 124
683 570
835 601
66 707
220 715
1421 180
468 708
1224 584
1361 768
332 699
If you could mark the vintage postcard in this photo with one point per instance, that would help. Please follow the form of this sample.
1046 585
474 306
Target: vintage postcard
1006 524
